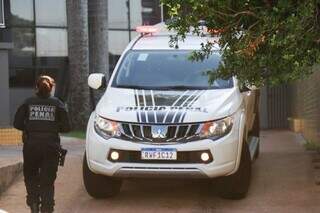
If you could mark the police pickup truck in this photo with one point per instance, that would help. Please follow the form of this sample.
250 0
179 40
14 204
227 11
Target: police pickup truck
160 118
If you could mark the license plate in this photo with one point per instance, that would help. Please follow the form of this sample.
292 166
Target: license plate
158 154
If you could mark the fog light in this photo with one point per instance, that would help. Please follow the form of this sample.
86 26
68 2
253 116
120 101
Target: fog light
114 155
205 156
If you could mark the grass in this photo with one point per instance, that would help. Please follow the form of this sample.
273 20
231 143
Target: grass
310 146
76 134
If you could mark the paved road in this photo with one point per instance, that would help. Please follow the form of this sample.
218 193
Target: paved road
282 181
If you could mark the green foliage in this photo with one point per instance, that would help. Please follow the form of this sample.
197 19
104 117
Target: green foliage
264 41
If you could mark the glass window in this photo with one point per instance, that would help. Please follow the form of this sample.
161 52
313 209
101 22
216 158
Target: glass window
51 13
118 40
1 14
21 58
21 12
168 70
23 41
52 66
113 60
118 14
56 67
135 13
52 42
146 12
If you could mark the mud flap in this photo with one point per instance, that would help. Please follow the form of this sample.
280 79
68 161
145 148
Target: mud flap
254 143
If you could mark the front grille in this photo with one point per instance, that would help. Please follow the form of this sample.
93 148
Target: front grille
175 133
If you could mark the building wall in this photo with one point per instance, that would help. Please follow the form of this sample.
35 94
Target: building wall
304 107
123 17
37 33
37 30
4 84
17 96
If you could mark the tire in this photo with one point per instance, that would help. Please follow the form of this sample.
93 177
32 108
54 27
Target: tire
99 186
237 185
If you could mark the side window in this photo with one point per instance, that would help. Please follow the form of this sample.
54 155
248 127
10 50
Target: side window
1 14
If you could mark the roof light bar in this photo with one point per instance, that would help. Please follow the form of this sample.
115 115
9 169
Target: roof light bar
146 29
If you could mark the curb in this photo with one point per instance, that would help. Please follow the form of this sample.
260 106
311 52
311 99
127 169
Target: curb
8 174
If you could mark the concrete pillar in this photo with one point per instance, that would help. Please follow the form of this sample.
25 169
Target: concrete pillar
4 84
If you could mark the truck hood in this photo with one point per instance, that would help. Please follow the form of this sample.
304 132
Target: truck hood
157 107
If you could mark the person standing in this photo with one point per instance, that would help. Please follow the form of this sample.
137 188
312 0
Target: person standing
41 118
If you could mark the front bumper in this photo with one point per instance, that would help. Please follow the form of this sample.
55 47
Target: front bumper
225 152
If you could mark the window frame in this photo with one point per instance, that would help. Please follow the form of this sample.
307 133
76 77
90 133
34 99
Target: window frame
38 42
37 68
38 19
2 24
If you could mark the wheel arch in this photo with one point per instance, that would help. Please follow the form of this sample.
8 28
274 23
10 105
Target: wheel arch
242 135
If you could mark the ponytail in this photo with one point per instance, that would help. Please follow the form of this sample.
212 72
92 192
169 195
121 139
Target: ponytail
44 85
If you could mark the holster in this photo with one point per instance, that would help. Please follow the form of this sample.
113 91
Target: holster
62 156
25 136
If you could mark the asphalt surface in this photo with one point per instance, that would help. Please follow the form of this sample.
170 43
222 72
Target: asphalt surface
282 181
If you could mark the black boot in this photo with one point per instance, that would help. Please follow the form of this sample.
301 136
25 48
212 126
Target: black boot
50 210
34 208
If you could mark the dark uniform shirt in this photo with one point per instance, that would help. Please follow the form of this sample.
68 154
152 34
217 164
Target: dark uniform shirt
41 116
41 120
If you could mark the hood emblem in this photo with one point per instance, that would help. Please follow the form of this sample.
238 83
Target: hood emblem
159 131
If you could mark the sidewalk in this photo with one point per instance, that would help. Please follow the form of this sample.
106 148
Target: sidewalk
11 159
10 165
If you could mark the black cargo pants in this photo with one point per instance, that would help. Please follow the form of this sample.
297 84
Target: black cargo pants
40 171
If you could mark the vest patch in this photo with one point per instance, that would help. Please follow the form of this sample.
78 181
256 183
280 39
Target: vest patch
42 113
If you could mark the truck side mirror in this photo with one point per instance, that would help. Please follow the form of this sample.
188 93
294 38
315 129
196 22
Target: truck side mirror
244 89
97 81
247 88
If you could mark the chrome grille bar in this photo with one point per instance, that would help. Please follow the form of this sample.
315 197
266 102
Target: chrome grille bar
132 133
141 130
123 132
188 130
175 134
142 133
181 132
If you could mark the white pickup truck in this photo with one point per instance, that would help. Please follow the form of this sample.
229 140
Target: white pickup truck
161 118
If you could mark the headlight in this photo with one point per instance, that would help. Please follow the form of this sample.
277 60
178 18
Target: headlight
217 129
106 128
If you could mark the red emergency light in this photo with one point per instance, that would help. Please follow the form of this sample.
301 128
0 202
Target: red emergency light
147 29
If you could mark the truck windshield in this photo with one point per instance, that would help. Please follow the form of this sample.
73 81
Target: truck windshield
164 70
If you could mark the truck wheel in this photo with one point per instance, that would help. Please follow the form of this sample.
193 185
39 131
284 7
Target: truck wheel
237 185
99 186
